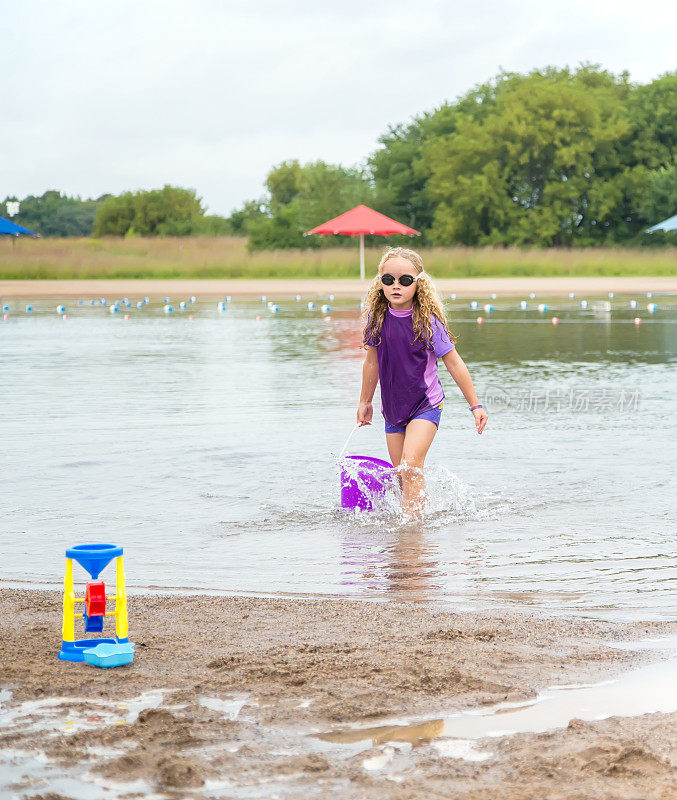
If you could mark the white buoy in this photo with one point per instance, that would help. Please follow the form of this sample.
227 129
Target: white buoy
542 307
651 308
273 308
361 305
113 309
452 296
103 301
611 295
325 309
555 320
649 294
488 308
59 309
480 320
524 305
125 301
80 302
193 299
263 298
571 295
221 306
166 301
183 305
92 302
331 298
474 304
583 304
311 306
297 297
632 303
168 309
532 295
637 320
493 295
227 298
146 300
5 308
29 309
139 304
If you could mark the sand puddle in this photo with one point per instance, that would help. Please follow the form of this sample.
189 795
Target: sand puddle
23 771
646 690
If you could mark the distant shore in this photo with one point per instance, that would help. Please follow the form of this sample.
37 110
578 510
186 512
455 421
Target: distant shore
462 287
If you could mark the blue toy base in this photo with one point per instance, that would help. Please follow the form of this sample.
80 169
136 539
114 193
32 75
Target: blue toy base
110 655
74 651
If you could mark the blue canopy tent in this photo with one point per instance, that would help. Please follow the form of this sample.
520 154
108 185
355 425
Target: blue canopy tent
669 224
8 228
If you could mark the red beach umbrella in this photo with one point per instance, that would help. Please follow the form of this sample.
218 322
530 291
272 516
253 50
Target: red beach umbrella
363 220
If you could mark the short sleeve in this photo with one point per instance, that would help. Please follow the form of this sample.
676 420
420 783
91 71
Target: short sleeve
442 344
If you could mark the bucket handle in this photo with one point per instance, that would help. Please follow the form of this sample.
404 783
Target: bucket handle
350 436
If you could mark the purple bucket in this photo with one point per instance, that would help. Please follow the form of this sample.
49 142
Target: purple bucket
374 476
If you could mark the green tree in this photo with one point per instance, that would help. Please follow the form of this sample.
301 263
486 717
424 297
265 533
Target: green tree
659 199
170 211
541 167
241 219
399 168
56 214
301 197
284 184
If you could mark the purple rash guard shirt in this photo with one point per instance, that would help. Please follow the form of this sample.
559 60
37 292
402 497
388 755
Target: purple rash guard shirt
407 369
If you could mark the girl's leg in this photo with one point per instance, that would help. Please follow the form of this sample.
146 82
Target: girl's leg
395 442
418 437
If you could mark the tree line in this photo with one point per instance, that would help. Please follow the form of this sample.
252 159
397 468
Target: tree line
555 157
170 211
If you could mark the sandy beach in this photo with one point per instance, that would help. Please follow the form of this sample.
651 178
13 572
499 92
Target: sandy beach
463 287
244 697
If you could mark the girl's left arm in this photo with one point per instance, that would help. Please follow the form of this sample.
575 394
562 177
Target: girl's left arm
459 372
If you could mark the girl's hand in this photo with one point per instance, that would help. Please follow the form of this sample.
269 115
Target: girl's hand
481 418
365 412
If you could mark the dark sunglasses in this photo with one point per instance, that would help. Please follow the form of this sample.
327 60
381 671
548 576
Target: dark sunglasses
403 280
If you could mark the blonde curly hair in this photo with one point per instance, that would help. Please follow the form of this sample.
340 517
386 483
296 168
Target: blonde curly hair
426 303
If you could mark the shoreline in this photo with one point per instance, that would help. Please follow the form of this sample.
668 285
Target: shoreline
247 694
341 287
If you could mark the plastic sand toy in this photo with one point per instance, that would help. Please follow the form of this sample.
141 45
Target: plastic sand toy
100 652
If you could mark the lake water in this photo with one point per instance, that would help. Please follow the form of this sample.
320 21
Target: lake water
207 448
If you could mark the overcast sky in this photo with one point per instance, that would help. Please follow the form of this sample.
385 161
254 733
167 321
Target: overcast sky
108 96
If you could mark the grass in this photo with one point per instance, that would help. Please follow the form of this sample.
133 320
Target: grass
227 257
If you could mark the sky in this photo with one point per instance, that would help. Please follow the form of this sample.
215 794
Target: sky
114 96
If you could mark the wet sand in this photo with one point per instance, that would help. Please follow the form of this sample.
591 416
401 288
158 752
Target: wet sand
463 287
304 667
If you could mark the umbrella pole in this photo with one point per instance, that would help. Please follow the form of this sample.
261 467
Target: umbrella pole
361 256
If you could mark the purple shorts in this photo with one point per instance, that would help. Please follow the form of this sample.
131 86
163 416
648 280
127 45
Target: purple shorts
434 415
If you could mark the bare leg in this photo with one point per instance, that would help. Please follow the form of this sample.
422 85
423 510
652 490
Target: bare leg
418 437
395 442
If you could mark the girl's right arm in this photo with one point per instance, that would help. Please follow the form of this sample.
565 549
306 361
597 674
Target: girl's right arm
365 410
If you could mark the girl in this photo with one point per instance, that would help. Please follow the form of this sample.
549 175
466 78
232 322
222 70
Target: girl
405 333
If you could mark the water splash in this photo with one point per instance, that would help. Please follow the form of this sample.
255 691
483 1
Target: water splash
448 500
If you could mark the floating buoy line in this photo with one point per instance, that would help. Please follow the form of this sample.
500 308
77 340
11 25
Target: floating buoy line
601 309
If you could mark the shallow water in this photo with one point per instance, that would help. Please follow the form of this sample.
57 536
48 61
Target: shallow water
207 448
